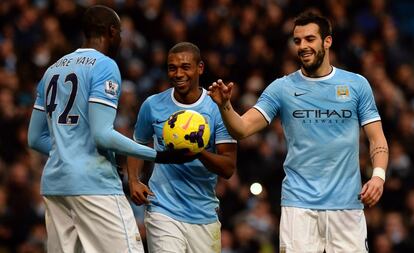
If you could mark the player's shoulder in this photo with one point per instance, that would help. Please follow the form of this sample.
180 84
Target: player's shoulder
209 106
103 59
350 75
282 82
84 57
160 98
92 57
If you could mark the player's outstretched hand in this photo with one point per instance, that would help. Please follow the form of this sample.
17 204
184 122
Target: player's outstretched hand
139 192
175 156
372 191
220 92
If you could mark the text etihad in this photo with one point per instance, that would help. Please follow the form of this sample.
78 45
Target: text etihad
318 114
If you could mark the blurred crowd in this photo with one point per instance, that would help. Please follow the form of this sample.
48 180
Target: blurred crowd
245 41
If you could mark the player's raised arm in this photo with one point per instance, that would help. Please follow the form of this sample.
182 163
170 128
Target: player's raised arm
238 126
372 190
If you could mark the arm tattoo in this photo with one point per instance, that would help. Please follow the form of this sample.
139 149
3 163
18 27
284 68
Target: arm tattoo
378 150
226 107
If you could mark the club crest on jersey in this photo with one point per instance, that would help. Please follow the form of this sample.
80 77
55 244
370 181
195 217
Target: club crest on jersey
342 92
111 88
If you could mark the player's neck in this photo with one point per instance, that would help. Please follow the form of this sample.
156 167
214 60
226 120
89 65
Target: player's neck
189 97
324 70
98 44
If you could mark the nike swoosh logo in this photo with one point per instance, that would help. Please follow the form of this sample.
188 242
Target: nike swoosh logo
188 122
299 94
159 121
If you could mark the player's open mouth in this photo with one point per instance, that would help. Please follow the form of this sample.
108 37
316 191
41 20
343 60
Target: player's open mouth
306 55
181 83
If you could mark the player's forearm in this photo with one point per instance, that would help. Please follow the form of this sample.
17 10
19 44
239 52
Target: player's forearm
378 148
134 169
233 121
379 153
221 165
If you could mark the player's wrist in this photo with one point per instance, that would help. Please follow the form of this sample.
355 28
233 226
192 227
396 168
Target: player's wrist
378 172
226 106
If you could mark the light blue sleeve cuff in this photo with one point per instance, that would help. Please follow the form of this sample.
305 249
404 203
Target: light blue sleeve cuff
38 135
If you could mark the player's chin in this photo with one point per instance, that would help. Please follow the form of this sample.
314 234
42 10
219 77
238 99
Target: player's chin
182 88
306 61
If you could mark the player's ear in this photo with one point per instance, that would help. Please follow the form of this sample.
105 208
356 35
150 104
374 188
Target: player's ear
200 67
327 42
112 31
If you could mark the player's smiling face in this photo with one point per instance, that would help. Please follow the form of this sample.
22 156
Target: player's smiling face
184 72
310 47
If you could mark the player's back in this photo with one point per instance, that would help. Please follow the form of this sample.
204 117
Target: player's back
75 166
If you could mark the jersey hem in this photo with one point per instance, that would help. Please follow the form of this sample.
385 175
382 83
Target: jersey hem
103 102
321 207
268 119
181 219
59 193
370 121
226 141
39 107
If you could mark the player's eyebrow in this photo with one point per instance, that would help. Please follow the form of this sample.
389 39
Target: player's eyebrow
310 36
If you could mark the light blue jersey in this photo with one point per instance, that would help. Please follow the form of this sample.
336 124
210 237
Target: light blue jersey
184 192
321 119
75 166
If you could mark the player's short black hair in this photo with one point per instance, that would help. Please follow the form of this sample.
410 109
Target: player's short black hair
97 20
305 18
186 47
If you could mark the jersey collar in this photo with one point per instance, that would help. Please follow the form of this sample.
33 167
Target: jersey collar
318 78
200 99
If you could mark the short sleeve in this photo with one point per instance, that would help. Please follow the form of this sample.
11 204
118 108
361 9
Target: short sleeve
40 97
269 101
143 128
367 110
105 83
222 135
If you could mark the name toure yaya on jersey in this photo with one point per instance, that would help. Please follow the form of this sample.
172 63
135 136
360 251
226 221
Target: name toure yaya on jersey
64 62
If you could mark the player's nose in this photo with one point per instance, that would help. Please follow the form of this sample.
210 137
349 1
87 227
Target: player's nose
179 73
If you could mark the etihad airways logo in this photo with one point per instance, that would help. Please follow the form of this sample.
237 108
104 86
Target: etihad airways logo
322 116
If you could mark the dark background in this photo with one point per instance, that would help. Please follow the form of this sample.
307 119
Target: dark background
247 42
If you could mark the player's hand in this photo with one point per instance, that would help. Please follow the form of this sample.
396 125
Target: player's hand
220 92
175 156
139 192
372 191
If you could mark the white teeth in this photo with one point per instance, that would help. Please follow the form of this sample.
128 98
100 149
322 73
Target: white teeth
180 82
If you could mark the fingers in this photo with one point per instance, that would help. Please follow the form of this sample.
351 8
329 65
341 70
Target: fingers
139 194
371 192
224 86
219 84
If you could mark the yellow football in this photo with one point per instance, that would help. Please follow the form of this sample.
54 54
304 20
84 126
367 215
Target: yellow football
186 129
